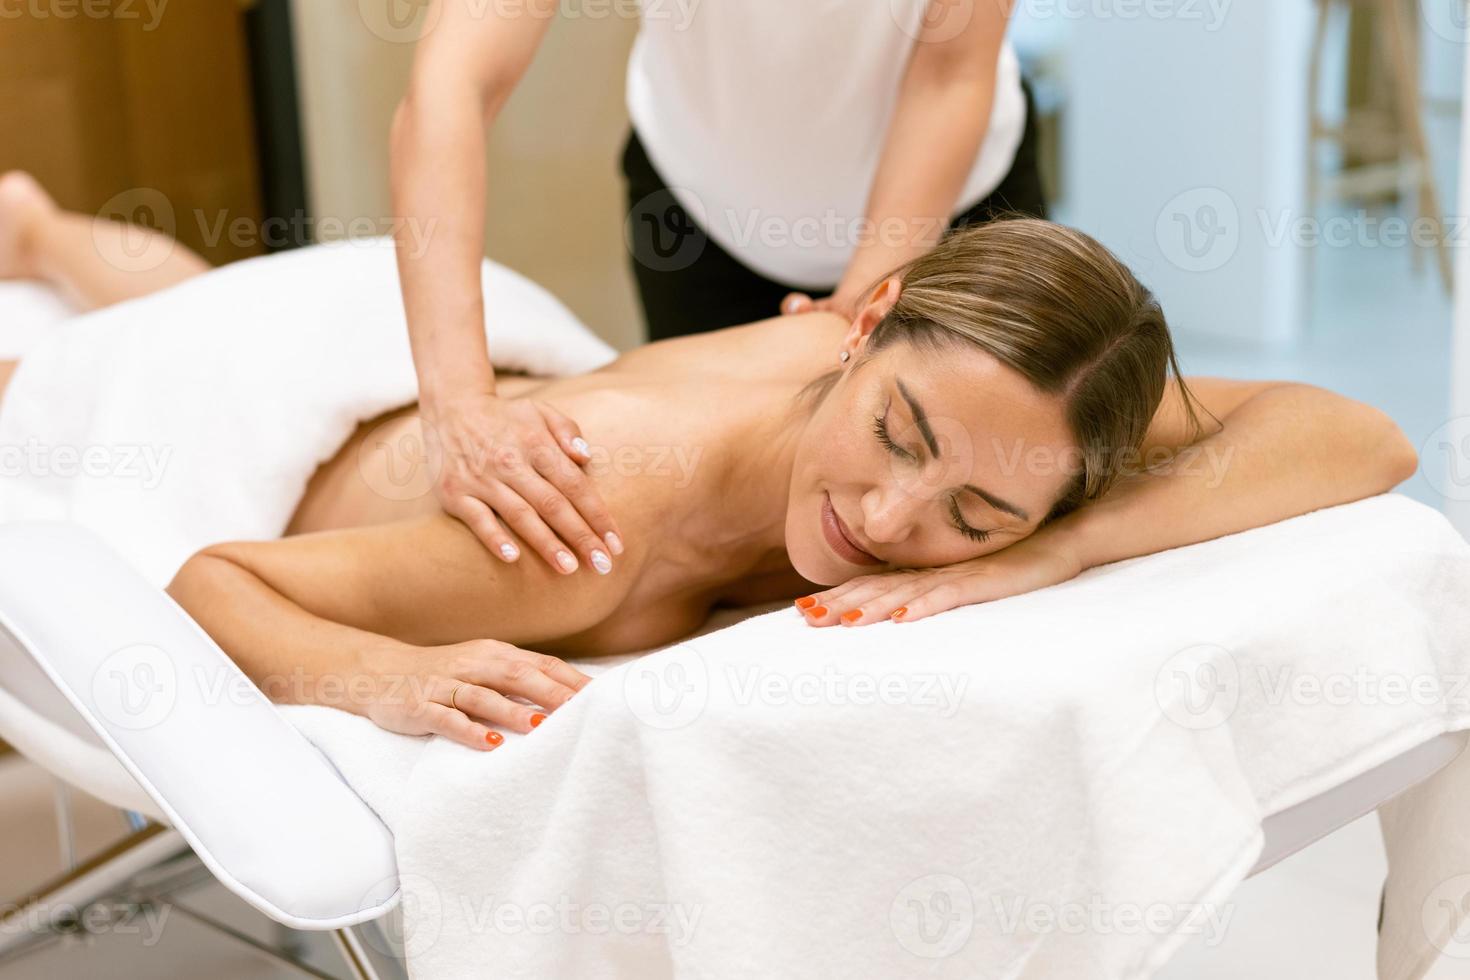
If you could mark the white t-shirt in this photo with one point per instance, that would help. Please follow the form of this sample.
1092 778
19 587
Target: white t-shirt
767 118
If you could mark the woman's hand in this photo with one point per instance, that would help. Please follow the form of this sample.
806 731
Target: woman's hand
904 596
459 690
518 463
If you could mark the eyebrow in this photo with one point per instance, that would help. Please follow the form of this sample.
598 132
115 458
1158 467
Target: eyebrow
922 421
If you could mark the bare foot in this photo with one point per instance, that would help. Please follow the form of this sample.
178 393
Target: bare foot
23 205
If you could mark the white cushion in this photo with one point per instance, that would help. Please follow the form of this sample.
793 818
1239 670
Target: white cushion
129 670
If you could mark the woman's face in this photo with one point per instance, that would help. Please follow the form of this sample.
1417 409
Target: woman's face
917 459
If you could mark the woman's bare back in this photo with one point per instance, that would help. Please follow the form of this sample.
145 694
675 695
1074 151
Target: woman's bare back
656 418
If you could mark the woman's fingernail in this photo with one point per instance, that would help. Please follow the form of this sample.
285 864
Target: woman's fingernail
817 612
494 738
900 612
806 602
566 560
536 720
601 562
580 447
852 616
509 552
614 543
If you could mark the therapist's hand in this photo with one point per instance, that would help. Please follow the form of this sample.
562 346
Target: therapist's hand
517 464
795 303
912 594
460 690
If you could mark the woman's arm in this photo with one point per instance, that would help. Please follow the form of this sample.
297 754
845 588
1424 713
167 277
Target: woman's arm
378 621
504 460
939 122
1283 449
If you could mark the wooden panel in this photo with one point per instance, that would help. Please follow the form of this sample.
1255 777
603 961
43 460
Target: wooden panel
98 107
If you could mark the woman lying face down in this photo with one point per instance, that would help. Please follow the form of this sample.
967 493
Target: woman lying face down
998 416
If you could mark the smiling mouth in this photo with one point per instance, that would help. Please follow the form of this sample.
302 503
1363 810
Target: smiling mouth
839 538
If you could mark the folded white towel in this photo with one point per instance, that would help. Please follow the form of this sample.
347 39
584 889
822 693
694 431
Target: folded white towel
198 414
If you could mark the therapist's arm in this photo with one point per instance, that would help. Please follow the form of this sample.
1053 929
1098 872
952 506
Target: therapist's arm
507 464
938 125
1284 449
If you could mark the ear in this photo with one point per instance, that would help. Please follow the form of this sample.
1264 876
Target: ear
880 302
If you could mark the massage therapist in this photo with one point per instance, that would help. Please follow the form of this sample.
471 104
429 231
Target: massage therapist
785 154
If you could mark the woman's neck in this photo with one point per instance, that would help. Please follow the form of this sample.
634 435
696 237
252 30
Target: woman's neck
738 505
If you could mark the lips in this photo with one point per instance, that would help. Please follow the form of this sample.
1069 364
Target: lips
839 539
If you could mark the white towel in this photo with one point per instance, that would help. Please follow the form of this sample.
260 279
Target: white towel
1067 783
198 414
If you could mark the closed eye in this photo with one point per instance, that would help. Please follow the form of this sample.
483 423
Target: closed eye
880 429
973 533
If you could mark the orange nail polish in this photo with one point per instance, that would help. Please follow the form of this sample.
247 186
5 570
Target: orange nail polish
806 602
817 612
537 719
494 738
900 612
852 616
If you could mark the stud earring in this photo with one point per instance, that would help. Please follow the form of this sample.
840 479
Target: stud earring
844 357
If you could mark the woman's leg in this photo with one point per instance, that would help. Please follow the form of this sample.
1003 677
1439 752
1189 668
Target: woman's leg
93 261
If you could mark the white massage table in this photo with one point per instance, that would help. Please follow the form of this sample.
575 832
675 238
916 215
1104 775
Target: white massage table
206 759
105 683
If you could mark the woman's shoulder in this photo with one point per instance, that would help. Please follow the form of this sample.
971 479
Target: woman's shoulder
794 345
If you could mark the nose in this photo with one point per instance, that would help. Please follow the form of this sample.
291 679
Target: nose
890 513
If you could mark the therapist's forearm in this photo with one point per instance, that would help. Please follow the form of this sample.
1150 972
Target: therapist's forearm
1285 451
938 126
438 170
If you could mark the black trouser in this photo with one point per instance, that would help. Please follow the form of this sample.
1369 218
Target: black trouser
689 284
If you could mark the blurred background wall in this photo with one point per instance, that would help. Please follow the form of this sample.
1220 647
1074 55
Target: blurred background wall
555 204
98 108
